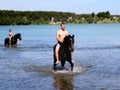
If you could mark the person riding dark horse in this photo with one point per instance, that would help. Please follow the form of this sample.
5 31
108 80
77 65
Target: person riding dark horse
65 52
60 35
13 40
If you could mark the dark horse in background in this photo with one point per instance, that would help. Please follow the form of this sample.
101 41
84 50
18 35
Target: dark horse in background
65 52
13 40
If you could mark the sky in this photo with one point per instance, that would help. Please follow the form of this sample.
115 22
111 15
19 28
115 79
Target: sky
74 6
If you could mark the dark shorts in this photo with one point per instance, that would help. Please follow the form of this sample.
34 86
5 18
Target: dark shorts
59 43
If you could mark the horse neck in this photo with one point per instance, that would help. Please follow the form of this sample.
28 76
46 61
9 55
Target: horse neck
14 37
66 45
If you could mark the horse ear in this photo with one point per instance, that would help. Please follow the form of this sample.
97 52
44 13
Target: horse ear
69 35
73 36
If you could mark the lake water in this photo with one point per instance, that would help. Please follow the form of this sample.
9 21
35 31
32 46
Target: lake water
29 66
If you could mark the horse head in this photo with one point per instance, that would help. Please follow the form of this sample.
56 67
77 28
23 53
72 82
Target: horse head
69 40
17 36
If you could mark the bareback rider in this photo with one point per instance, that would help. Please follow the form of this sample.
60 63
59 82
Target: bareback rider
10 36
60 35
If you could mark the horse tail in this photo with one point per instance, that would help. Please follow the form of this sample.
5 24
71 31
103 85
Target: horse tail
54 50
54 56
6 41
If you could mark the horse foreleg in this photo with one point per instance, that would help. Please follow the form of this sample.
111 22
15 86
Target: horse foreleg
72 64
54 65
62 63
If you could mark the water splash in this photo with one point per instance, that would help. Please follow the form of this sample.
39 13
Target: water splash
48 70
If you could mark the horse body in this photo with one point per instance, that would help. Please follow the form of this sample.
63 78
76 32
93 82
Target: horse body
65 52
13 40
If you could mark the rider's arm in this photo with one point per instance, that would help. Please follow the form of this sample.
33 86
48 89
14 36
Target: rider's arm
58 36
67 33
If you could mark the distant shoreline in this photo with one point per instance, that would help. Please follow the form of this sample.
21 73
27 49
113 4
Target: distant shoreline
10 17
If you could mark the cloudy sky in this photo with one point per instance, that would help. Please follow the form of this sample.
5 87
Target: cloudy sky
75 6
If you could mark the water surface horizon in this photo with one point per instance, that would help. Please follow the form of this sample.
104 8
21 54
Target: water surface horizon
28 66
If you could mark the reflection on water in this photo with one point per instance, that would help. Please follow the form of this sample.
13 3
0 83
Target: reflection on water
63 82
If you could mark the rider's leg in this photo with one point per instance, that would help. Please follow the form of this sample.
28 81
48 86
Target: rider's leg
72 56
9 41
56 53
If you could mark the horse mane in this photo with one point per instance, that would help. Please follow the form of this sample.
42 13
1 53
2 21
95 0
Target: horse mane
67 39
16 34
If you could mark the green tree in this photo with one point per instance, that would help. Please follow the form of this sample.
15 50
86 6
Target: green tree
25 20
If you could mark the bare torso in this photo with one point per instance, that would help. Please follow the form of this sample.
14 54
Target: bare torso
61 35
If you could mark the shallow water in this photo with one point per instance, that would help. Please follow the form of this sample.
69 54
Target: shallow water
29 66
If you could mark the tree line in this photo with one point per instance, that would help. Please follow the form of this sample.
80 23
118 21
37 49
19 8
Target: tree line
10 17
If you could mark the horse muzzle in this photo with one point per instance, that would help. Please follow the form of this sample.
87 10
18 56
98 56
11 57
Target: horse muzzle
20 38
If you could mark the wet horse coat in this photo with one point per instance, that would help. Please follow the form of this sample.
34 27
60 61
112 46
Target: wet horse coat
13 40
65 52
